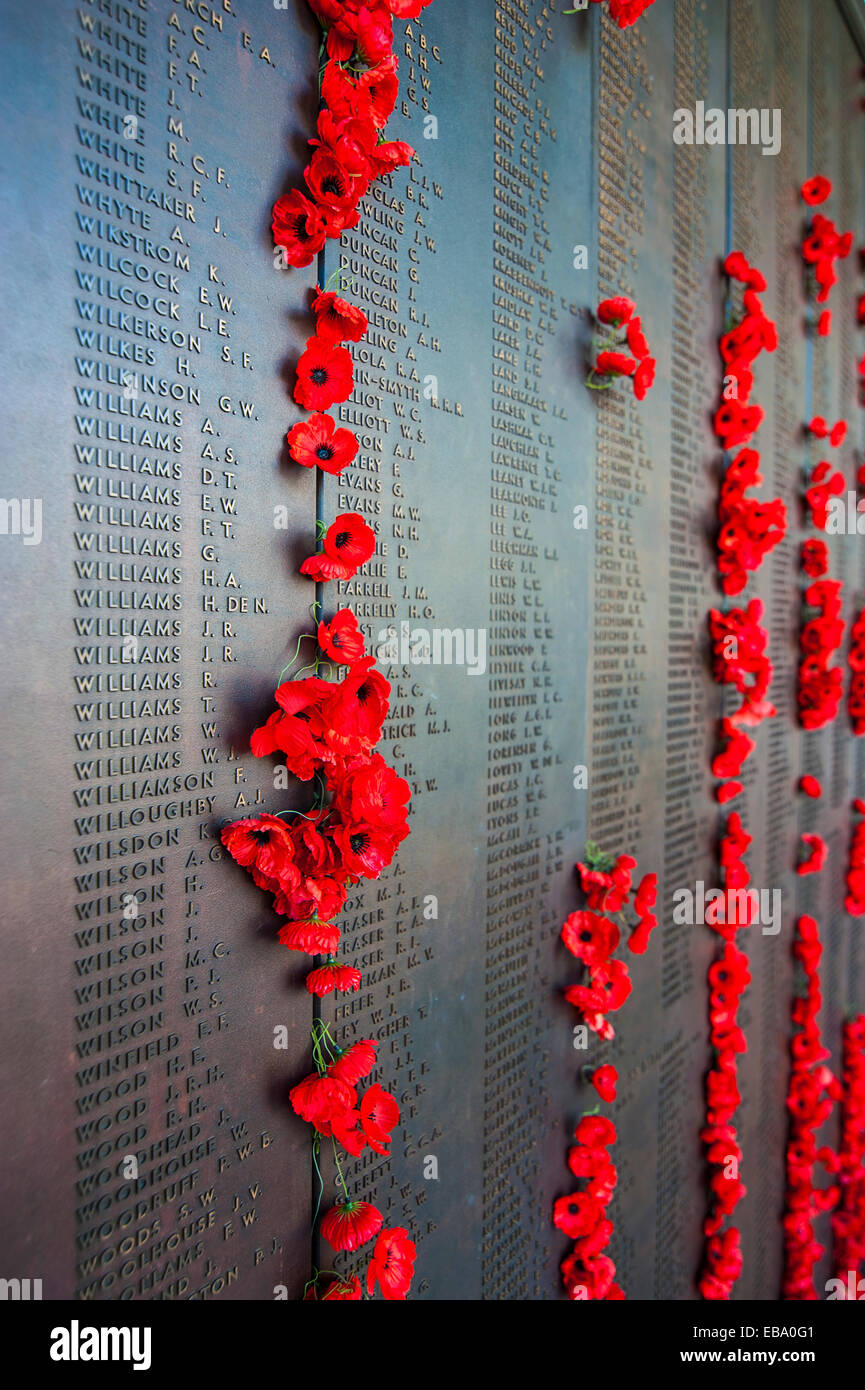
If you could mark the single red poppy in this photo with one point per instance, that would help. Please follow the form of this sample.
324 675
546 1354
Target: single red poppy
332 976
615 311
354 1062
604 1080
336 320
816 190
318 443
324 375
299 227
348 1225
315 938
392 1264
348 544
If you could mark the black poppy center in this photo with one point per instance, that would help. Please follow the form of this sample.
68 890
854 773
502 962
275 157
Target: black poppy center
358 843
342 538
319 375
324 451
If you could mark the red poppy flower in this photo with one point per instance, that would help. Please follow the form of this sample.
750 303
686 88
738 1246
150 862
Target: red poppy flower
365 849
333 188
337 321
315 938
350 140
372 793
348 1225
390 155
627 12
815 558
816 190
261 842
817 852
381 84
318 443
638 941
367 29
348 544
332 976
357 709
737 748
824 323
615 311
615 364
341 94
379 1113
647 893
644 377
589 937
595 1131
604 1080
838 433
577 1215
636 338
611 985
818 427
341 639
324 375
810 786
354 1062
734 423
299 227
392 1264
728 791
318 1098
313 899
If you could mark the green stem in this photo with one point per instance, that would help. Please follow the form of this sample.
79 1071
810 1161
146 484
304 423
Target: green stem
339 1170
294 658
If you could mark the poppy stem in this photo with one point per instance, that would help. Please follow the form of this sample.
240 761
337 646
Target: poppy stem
339 1170
316 1144
294 658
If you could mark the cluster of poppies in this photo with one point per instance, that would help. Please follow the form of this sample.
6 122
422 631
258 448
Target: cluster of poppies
823 485
739 659
328 1100
856 660
628 356
325 731
587 1273
626 12
848 1219
813 851
854 902
819 685
811 1092
737 419
592 937
822 246
749 528
359 88
728 979
736 748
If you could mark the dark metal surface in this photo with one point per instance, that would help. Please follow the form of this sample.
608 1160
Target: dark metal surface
537 133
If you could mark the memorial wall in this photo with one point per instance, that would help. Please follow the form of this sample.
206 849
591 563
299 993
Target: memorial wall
538 600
